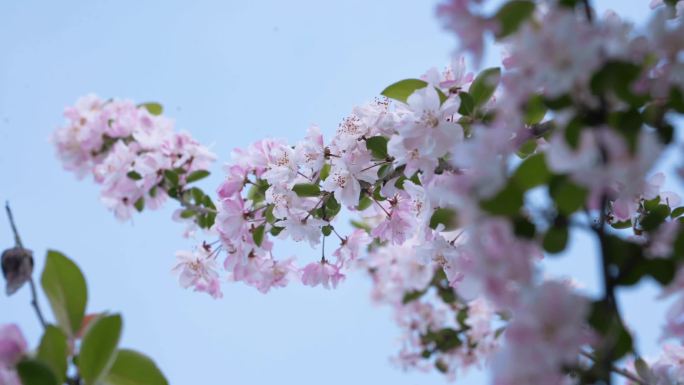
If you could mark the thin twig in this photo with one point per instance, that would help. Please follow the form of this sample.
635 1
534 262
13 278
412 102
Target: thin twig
623 372
17 239
199 209
32 284
34 303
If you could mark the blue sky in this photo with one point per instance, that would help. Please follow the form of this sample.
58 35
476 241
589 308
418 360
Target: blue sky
229 72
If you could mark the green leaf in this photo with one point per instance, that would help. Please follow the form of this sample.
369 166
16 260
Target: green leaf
185 214
134 175
384 170
626 224
524 228
445 339
535 110
572 133
484 85
325 171
65 287
98 349
527 148
559 103
411 296
364 203
655 217
133 368
511 15
258 235
139 204
443 216
153 108
306 190
532 172
196 175
327 230
508 201
644 371
257 193
363 225
377 146
556 239
332 206
402 89
568 196
275 230
617 77
54 350
467 106
172 177
35 372
678 212
662 270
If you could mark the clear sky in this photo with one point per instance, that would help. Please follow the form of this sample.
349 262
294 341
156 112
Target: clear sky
230 72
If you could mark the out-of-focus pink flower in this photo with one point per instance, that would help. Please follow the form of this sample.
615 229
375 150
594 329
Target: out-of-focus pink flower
321 273
12 345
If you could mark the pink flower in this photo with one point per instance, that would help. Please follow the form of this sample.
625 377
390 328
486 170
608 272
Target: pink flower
230 220
347 172
321 273
397 226
468 27
426 132
276 274
310 153
198 269
453 76
351 246
301 228
234 183
9 377
548 329
495 263
280 167
12 345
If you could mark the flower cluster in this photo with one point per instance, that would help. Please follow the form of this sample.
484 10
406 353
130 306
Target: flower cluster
131 150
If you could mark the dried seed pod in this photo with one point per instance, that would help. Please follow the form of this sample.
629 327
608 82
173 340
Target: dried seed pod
17 267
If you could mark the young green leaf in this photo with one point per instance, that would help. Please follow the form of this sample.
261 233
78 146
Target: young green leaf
65 287
443 216
377 146
556 239
484 85
258 235
532 172
402 89
133 368
306 190
153 108
98 350
54 350
134 175
511 15
35 372
196 175
467 106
